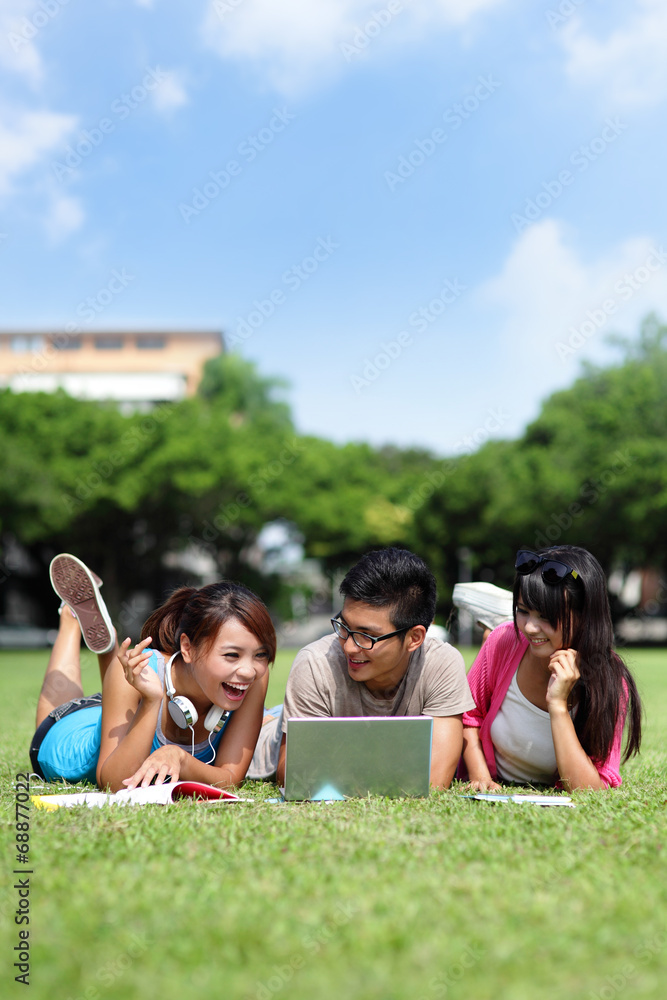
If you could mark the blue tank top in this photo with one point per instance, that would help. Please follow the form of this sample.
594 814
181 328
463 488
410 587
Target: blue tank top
71 748
204 751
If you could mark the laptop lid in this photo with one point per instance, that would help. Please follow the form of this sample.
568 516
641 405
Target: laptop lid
342 758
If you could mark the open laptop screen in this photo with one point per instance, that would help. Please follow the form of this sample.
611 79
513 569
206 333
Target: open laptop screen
340 757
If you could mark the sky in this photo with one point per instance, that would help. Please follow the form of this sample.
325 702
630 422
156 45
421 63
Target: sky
424 215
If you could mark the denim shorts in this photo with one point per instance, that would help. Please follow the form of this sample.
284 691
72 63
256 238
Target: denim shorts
68 708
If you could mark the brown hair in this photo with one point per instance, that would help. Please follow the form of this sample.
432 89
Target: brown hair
199 614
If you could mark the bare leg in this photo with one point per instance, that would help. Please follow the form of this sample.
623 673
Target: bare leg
104 659
62 680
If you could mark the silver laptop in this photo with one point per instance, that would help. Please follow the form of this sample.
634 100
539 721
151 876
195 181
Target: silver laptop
343 758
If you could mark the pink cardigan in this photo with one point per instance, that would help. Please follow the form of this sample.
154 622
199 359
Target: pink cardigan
490 677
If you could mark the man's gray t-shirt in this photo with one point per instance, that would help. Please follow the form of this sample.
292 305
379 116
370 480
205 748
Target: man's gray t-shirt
319 686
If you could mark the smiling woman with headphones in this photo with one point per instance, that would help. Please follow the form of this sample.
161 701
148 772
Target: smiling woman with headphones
186 702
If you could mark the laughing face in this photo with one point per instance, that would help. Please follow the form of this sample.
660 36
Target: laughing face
381 668
226 671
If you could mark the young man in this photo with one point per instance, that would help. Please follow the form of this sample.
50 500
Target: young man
379 661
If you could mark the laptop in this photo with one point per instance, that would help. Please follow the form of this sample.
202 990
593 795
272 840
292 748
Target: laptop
335 758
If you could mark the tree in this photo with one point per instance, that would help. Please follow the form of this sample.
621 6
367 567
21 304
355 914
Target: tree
590 470
210 471
611 426
234 385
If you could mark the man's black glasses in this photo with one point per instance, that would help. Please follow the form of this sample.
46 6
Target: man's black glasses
360 639
553 570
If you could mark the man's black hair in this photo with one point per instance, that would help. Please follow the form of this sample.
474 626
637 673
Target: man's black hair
395 579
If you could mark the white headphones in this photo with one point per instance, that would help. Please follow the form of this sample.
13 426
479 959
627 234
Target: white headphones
184 713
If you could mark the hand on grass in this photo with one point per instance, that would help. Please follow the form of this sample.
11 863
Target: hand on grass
162 763
137 672
485 785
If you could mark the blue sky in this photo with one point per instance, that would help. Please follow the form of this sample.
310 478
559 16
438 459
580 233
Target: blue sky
424 214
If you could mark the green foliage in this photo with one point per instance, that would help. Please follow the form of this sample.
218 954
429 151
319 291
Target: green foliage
610 429
347 499
50 443
211 470
590 470
235 387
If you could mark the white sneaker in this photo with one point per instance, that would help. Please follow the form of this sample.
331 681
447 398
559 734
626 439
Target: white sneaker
78 588
489 605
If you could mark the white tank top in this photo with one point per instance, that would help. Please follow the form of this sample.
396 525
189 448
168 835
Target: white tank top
522 741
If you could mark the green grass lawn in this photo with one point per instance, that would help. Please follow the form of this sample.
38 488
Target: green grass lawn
436 898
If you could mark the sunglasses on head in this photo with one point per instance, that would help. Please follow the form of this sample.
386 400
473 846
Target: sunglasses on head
553 570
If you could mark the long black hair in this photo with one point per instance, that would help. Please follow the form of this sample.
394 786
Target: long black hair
580 608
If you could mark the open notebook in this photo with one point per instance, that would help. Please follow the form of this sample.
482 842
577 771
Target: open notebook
152 795
342 758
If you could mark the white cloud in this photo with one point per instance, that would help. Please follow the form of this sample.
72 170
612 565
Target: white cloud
171 92
295 42
65 216
629 65
558 307
290 42
18 52
452 11
25 137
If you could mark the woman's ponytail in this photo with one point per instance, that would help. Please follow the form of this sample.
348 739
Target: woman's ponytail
163 624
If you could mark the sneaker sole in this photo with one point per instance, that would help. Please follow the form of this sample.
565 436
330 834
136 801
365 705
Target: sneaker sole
73 583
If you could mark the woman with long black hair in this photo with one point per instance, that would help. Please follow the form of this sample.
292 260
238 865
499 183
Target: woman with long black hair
552 695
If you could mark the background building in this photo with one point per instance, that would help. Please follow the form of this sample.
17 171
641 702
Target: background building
135 368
